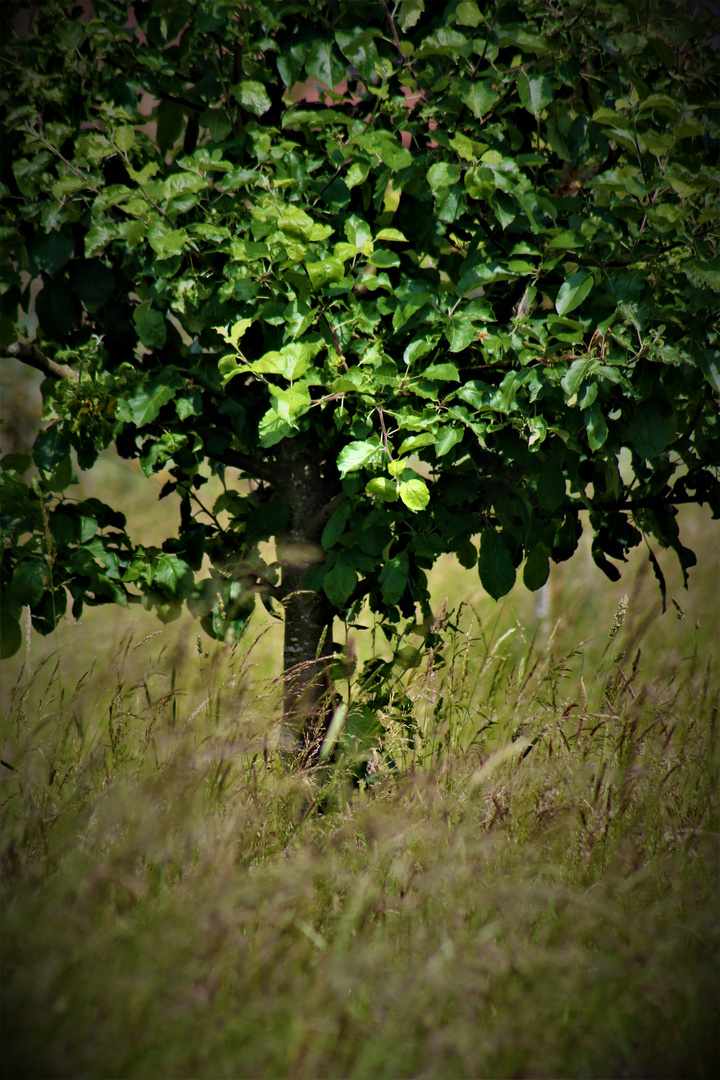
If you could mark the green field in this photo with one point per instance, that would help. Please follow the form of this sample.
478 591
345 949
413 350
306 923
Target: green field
525 886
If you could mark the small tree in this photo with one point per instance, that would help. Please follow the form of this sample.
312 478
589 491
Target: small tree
435 299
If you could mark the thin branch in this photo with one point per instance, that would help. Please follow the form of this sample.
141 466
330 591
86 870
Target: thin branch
388 451
405 59
35 358
236 459
487 39
656 502
320 519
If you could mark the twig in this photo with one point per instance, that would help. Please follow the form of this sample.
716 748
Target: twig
405 59
384 431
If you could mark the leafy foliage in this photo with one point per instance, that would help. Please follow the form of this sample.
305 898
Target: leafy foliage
458 265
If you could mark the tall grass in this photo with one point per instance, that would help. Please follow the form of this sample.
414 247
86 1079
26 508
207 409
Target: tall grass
524 881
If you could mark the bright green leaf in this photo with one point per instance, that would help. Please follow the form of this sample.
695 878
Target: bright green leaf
414 493
573 292
356 455
480 98
382 487
252 96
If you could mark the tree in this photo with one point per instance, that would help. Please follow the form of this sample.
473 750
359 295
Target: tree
433 300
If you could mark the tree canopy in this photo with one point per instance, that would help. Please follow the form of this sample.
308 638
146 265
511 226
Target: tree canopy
422 271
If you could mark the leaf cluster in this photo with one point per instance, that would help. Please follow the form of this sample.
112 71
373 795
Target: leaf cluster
466 259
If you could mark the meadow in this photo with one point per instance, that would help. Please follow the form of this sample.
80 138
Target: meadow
524 883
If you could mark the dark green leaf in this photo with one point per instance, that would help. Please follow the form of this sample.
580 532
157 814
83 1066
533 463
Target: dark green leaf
393 578
51 446
10 630
53 251
150 326
537 568
340 581
648 433
536 92
497 573
336 525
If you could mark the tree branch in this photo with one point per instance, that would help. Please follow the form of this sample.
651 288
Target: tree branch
324 514
236 459
652 502
35 358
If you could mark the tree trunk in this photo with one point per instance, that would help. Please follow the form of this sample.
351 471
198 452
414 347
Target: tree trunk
308 615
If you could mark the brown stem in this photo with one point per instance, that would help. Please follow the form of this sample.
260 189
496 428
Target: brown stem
384 431
249 464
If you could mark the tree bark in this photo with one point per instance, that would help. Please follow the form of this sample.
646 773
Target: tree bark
308 645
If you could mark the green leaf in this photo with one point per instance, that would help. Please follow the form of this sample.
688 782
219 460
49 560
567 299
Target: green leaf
709 363
53 251
576 375
356 455
442 372
292 361
323 63
252 96
393 578
497 573
51 446
150 325
410 12
173 575
10 630
468 13
336 525
324 271
357 173
597 429
124 138
391 234
460 333
705 273
389 149
443 175
416 442
648 433
266 520
537 568
145 404
417 349
536 92
415 494
480 98
573 292
551 487
167 243
446 439
384 258
382 487
30 579
340 581
360 49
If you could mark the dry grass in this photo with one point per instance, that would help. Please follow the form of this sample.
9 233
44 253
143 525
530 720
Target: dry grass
530 891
